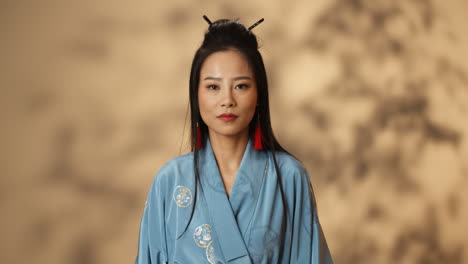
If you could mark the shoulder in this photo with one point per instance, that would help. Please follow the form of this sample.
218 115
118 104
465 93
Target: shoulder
179 162
291 170
288 163
175 171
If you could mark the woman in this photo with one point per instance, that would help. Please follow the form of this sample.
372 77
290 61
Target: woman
238 197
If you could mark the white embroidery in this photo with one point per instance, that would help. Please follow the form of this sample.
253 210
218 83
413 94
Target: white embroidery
182 196
210 253
202 235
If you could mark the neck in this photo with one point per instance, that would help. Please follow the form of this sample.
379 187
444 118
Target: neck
229 151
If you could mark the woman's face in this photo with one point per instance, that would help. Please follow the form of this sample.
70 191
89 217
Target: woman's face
227 93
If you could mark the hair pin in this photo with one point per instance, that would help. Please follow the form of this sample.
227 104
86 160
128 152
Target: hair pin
256 24
207 20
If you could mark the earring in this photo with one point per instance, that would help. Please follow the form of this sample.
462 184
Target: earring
199 139
258 145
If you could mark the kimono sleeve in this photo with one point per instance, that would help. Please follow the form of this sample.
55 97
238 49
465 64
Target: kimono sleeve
308 241
152 238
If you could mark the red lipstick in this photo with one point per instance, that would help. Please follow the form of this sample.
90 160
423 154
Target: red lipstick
227 117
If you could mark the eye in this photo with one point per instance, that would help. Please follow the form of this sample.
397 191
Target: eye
212 87
242 86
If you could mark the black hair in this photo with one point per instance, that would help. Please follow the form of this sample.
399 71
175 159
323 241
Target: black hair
222 35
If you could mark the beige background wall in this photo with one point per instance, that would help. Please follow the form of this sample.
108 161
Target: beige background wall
371 95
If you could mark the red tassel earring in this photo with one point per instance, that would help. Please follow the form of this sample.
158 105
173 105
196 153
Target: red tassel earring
199 139
258 136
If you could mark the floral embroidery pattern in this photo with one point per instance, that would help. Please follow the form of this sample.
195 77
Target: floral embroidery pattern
202 235
210 254
182 196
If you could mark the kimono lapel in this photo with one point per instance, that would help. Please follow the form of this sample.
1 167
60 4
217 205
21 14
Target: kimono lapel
224 222
247 185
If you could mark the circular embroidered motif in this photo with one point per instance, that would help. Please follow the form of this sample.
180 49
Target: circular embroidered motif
182 196
210 253
202 235
263 241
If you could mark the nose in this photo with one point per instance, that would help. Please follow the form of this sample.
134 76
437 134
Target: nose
227 98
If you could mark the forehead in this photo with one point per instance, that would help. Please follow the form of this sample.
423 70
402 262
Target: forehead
227 63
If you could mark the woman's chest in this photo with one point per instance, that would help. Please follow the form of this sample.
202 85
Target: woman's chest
216 235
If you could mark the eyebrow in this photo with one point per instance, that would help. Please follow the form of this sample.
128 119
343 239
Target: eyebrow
235 79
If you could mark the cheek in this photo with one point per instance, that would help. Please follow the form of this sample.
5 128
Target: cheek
203 103
253 99
201 99
251 104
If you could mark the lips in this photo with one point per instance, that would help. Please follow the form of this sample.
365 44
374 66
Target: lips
227 116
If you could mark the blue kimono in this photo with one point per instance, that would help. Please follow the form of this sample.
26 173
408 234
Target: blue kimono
268 218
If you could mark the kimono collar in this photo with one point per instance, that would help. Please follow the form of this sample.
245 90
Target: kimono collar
252 161
221 210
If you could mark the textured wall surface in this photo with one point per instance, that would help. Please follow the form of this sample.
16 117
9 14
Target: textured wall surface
372 96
